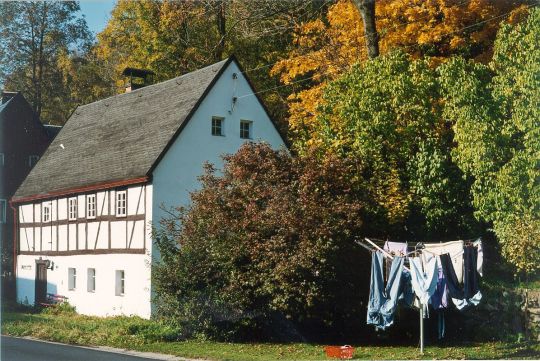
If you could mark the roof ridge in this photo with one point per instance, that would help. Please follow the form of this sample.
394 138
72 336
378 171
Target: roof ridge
153 86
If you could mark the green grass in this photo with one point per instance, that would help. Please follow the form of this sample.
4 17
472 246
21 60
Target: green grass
143 335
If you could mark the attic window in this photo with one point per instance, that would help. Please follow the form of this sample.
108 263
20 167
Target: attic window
3 204
217 126
245 129
1 159
46 213
91 206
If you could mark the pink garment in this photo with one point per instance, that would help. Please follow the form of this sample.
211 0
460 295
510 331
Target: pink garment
396 248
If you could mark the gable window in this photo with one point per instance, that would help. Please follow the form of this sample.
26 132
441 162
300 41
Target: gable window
1 159
3 207
120 283
91 206
91 281
46 213
245 129
72 209
217 126
32 160
72 279
121 203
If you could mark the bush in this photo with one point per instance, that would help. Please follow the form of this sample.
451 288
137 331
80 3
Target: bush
266 246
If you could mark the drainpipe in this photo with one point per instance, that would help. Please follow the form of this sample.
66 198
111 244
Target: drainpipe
15 239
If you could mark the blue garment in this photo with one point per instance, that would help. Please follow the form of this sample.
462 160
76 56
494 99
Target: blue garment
424 282
383 300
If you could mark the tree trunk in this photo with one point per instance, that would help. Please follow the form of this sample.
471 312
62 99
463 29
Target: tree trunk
367 10
222 31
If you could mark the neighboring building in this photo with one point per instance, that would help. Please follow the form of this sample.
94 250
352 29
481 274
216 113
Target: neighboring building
85 211
23 139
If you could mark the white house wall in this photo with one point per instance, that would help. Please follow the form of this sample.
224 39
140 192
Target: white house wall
177 172
106 243
103 301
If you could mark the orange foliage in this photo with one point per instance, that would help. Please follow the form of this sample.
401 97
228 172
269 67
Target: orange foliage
323 49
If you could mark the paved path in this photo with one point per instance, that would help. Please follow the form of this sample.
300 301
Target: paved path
23 349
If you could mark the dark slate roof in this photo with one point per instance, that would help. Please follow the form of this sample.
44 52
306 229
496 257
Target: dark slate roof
118 138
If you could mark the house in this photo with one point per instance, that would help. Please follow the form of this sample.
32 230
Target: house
86 210
23 140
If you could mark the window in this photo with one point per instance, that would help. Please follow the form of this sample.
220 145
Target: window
72 209
217 126
1 159
121 203
3 207
91 281
91 206
245 129
46 213
72 279
120 283
32 160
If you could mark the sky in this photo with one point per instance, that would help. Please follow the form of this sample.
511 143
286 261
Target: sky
97 13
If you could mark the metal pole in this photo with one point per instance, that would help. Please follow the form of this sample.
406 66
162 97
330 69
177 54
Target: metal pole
421 329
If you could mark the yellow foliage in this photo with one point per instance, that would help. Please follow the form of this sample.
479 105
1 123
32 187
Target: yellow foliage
436 28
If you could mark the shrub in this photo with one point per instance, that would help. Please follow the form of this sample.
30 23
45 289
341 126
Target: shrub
267 243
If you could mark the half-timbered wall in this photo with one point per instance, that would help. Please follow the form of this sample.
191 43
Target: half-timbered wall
106 232
106 243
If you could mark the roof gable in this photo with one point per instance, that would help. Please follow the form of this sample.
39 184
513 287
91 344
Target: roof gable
119 138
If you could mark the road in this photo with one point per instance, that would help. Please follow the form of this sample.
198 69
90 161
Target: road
17 349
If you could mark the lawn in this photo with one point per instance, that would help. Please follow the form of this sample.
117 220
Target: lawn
143 335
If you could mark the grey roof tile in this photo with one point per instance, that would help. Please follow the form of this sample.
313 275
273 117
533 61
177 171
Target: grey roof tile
118 138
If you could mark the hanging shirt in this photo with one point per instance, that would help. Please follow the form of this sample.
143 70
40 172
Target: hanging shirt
383 300
439 299
454 249
470 293
424 282
396 248
480 260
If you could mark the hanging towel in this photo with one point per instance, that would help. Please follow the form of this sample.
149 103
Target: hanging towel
424 282
383 300
396 248
455 249
470 293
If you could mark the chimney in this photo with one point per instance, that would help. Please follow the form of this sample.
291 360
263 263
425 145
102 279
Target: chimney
7 96
137 78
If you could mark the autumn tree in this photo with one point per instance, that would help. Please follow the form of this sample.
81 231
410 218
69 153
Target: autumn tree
32 37
265 246
324 48
496 111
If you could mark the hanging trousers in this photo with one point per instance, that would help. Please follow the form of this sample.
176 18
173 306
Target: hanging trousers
470 293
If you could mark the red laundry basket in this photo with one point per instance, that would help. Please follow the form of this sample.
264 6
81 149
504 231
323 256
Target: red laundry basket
341 352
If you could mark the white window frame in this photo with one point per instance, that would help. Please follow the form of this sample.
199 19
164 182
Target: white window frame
3 210
46 213
72 209
32 160
121 204
250 129
120 283
91 280
213 126
72 279
91 206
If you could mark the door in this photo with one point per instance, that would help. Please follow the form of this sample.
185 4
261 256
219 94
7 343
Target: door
41 282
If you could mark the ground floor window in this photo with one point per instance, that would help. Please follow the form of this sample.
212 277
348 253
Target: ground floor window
72 279
120 283
91 282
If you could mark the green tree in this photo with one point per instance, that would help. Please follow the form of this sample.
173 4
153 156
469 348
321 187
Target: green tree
269 238
387 112
32 36
496 110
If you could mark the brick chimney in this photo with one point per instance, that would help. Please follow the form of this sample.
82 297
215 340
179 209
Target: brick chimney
137 78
